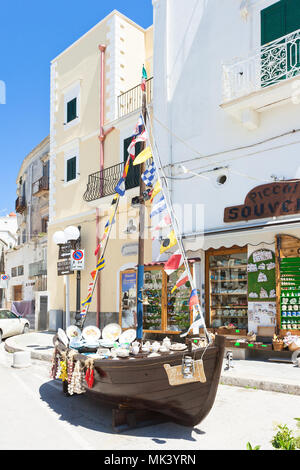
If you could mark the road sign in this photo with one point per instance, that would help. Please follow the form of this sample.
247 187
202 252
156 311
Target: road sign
65 251
77 260
64 268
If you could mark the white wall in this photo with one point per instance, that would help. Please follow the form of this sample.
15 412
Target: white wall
191 42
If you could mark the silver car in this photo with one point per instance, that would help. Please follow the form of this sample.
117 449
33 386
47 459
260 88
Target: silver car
12 324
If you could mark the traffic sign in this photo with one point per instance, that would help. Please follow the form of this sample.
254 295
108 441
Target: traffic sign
77 260
64 268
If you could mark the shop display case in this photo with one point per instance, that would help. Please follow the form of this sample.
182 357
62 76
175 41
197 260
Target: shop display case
227 289
152 318
178 312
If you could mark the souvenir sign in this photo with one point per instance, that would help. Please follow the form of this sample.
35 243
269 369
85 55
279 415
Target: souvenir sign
91 334
111 332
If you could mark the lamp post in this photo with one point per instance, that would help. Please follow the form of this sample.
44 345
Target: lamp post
71 236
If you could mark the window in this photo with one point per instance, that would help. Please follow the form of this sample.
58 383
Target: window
71 169
279 19
14 272
72 110
45 221
20 270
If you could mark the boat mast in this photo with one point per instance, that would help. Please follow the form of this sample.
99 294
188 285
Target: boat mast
141 243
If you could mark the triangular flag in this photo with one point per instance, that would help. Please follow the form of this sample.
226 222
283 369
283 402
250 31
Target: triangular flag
144 73
93 274
126 168
168 242
159 207
139 127
143 156
164 223
194 300
97 249
156 190
120 188
100 264
174 263
181 281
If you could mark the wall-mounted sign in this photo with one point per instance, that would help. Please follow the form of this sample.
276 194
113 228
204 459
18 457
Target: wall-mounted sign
268 200
77 260
64 268
65 251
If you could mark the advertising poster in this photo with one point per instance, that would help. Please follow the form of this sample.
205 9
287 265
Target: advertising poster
128 299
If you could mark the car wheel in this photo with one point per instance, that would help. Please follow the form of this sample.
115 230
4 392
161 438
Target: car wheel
26 329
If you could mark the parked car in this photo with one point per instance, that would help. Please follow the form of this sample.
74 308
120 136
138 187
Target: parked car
12 324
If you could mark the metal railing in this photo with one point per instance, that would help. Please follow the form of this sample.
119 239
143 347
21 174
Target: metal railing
20 204
276 61
40 185
38 269
131 100
103 183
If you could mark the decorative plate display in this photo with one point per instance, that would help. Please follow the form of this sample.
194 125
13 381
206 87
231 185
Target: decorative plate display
73 332
106 344
62 337
91 334
111 332
127 336
178 347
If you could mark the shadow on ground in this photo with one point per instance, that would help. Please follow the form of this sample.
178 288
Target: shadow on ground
88 412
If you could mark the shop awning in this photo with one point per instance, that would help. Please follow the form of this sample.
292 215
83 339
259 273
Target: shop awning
241 236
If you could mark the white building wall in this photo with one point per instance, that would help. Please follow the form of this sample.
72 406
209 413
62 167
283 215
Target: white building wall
192 40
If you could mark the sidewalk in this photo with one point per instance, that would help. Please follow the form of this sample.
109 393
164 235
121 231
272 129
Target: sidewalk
263 375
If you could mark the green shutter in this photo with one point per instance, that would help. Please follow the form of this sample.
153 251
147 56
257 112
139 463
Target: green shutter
292 16
273 22
72 110
71 169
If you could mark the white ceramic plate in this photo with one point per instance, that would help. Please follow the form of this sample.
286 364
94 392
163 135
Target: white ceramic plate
91 334
127 336
106 344
73 332
63 337
111 332
178 347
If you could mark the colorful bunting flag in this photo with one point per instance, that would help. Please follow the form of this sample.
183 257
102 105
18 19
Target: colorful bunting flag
174 263
139 127
100 264
164 223
144 73
149 175
156 190
159 207
93 274
120 188
168 242
143 156
87 301
194 300
181 281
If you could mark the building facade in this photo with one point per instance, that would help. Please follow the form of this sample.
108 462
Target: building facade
226 107
96 102
26 262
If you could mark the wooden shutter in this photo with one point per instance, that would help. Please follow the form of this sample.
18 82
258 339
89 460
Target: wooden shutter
72 110
71 169
292 15
273 22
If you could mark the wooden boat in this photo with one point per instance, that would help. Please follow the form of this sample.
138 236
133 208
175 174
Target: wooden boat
142 384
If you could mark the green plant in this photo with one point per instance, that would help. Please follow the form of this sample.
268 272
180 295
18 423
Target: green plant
284 439
249 447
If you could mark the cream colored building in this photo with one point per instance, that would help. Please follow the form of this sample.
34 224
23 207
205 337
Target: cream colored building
95 105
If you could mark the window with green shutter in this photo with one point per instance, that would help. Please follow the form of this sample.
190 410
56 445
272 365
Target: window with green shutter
281 60
72 110
71 169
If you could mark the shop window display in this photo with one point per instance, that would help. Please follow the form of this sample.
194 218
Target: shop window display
228 289
152 318
178 313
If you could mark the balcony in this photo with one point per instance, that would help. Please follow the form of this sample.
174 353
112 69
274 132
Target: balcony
262 81
131 100
41 186
38 269
20 205
103 183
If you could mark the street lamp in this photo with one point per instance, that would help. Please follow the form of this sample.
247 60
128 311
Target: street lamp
72 235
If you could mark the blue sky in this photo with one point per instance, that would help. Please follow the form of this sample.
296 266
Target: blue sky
32 33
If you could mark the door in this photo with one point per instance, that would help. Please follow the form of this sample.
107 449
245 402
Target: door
43 317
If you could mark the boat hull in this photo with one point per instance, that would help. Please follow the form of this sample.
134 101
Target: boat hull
142 384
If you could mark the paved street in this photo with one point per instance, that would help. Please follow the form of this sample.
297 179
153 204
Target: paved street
36 415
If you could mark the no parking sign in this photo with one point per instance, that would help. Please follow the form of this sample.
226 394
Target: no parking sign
77 260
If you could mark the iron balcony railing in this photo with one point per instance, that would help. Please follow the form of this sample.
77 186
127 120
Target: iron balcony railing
103 183
20 204
40 186
276 61
131 100
38 269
